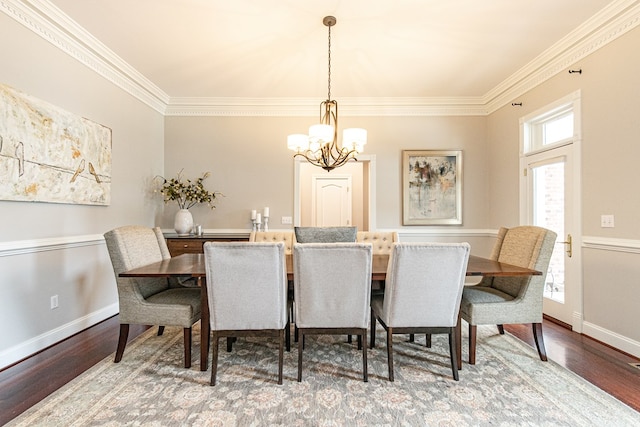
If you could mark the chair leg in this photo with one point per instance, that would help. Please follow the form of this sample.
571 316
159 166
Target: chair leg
361 337
453 355
300 345
350 340
214 358
390 352
122 341
537 336
281 355
473 331
501 329
427 340
187 347
287 335
412 338
230 341
372 342
160 330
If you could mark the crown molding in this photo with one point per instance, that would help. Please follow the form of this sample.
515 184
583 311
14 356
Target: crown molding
46 20
49 22
613 21
307 107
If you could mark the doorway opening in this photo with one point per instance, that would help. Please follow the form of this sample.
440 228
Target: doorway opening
362 192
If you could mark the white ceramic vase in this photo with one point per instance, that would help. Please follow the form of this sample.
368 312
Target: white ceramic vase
183 222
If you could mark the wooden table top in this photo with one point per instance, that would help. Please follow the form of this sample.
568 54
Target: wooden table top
192 265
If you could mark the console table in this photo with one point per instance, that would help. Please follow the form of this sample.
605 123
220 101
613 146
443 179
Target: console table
193 244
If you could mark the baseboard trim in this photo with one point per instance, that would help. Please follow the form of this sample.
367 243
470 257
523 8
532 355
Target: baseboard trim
25 349
612 339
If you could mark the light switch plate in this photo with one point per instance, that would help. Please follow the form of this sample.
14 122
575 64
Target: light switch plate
606 221
287 220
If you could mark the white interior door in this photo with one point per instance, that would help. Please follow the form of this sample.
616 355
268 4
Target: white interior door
331 201
548 184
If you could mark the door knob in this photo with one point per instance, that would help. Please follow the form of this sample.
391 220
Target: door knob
569 248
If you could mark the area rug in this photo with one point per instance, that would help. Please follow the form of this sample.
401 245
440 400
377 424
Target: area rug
509 386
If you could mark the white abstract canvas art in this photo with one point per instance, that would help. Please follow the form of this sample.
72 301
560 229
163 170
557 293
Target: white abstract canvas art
48 154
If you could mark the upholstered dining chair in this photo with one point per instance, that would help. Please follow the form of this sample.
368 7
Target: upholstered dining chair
333 292
287 237
147 300
508 300
422 294
325 234
247 292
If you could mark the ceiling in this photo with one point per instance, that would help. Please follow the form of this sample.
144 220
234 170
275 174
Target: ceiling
379 48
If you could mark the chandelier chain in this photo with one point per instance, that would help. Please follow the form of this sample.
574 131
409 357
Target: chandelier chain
329 68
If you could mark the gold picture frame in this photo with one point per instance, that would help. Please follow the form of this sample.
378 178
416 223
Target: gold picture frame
432 187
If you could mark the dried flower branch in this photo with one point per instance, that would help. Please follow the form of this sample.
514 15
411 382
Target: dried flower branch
187 193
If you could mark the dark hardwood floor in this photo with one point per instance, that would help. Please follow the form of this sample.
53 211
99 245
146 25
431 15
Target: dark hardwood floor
26 383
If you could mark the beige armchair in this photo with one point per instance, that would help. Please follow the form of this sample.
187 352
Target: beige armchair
333 291
247 292
508 300
422 294
146 300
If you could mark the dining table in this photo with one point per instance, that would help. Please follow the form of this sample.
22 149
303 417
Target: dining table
193 265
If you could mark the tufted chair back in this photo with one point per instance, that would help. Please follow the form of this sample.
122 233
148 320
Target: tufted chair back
287 237
382 241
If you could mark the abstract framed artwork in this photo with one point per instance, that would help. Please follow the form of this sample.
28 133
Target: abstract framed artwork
432 187
50 155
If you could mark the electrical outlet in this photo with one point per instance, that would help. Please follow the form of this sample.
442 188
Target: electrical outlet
287 220
54 301
606 221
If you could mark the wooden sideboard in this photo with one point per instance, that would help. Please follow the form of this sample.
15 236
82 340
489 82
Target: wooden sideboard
193 244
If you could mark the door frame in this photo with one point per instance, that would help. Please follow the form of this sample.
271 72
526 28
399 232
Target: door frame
370 188
576 306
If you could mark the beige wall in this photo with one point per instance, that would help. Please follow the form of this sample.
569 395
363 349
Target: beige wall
610 91
252 166
57 249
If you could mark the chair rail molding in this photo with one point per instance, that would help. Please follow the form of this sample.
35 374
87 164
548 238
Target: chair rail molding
611 244
21 247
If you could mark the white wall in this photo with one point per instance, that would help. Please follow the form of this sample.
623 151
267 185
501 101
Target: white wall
57 249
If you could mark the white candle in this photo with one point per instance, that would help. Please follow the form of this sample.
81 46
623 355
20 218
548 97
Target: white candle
253 214
266 212
258 219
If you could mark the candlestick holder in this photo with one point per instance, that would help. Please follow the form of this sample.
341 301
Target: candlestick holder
256 225
266 223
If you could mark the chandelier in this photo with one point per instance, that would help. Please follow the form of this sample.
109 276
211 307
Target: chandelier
320 147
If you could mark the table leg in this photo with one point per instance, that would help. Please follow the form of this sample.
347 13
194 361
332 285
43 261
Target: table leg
204 325
458 333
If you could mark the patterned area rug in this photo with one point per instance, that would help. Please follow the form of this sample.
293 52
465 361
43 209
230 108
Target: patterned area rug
509 386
